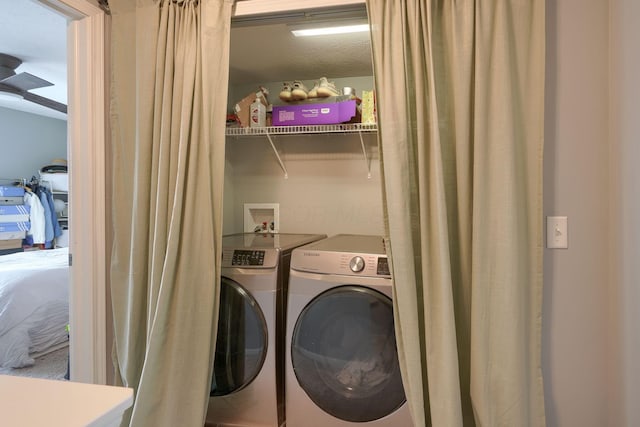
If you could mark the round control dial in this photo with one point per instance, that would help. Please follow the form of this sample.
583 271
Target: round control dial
356 264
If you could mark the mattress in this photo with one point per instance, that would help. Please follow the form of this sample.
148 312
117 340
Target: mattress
34 304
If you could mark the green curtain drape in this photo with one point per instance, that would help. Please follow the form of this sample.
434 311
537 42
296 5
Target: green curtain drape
170 64
460 88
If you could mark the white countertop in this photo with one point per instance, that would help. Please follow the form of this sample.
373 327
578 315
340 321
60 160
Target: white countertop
26 402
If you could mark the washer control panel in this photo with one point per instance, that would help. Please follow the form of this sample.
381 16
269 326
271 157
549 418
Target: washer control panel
247 257
250 258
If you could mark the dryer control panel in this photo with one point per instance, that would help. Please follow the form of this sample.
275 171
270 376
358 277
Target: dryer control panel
344 263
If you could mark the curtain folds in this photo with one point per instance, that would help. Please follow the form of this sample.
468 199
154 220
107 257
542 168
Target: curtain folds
460 89
170 62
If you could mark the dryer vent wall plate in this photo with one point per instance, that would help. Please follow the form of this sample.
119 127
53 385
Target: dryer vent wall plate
261 217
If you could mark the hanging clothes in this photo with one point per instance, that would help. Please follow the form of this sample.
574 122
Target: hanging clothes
37 232
57 229
52 227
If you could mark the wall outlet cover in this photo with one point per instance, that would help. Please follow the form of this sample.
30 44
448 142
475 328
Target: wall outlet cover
261 217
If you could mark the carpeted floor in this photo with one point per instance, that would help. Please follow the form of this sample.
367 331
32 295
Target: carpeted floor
51 366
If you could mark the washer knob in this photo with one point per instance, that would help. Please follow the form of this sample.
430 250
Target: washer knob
356 264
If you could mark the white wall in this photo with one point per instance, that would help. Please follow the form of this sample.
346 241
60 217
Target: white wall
577 358
28 142
625 137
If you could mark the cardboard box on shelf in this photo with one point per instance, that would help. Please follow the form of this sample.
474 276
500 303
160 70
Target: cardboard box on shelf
11 244
243 107
369 107
319 111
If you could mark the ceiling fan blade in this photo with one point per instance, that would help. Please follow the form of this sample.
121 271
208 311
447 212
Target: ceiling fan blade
46 102
10 89
8 65
26 81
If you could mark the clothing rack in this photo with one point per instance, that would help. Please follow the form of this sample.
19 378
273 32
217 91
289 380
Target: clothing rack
44 183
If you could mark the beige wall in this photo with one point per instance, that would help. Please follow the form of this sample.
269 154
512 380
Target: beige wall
327 190
577 359
625 138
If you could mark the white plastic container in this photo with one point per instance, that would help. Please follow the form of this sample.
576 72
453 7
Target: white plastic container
55 181
257 113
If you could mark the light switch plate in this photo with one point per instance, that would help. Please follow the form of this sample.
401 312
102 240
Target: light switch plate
557 232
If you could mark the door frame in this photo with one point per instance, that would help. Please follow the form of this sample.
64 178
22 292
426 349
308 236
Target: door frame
86 130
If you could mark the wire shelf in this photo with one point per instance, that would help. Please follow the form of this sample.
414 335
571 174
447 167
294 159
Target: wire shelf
269 131
307 129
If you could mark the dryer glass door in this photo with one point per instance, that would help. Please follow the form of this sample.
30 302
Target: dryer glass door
241 345
344 354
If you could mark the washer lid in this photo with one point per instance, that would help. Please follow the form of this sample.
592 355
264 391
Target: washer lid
241 344
344 354
281 241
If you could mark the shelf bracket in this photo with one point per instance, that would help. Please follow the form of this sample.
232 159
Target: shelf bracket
366 158
275 151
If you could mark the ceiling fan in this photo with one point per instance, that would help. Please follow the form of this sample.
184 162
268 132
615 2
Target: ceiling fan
20 84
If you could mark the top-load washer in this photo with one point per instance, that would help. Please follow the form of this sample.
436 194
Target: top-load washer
248 380
342 362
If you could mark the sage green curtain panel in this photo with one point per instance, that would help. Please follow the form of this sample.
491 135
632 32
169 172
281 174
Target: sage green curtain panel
460 87
170 62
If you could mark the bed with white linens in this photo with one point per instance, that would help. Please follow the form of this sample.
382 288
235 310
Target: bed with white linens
34 305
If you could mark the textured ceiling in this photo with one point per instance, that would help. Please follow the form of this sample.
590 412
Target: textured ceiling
270 53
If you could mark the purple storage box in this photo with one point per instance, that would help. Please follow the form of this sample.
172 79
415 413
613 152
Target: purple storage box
11 191
313 113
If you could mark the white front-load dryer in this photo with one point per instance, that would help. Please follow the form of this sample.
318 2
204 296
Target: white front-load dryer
248 380
342 362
